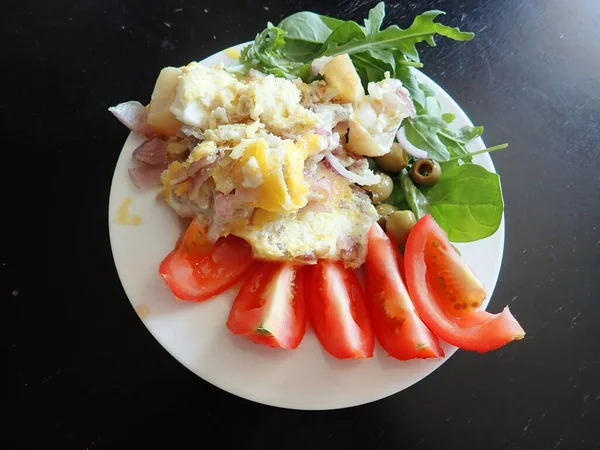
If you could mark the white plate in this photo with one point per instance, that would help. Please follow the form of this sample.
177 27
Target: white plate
195 333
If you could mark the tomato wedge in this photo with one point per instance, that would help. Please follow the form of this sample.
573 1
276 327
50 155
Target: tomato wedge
448 296
337 311
398 328
197 270
269 308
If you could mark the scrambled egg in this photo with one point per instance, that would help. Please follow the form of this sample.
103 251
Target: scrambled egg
256 139
340 233
207 97
254 159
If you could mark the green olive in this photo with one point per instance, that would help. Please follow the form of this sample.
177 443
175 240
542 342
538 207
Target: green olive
395 160
384 210
425 172
399 224
382 190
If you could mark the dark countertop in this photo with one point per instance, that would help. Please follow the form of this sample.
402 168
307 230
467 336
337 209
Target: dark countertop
83 372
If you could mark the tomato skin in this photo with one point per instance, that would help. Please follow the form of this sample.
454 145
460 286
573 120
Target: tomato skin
196 270
398 328
271 287
477 331
337 310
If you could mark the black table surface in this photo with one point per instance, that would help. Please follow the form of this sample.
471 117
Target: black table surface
83 371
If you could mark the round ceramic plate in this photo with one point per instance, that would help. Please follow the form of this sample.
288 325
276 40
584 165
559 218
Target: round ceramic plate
195 333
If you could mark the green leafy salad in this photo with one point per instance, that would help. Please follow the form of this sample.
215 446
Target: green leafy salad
429 165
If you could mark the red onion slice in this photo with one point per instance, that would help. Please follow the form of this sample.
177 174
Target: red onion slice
153 152
133 115
406 145
363 180
146 176
196 166
320 188
222 205
322 132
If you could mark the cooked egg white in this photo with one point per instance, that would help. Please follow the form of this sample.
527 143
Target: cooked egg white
306 235
207 97
376 118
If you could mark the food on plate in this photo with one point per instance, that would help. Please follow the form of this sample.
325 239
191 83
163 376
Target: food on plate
425 172
289 166
270 307
448 296
381 190
338 311
383 211
397 325
399 224
197 269
395 160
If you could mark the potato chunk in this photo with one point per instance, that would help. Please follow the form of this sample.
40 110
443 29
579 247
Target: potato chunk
159 117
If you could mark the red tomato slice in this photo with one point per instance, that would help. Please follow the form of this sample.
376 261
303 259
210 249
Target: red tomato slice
398 328
197 270
447 295
337 311
270 309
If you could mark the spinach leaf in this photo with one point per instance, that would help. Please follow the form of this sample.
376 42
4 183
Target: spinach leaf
414 197
467 202
308 27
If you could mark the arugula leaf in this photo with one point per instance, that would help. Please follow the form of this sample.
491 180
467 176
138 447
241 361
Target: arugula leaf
375 20
287 49
429 131
467 202
266 54
423 29
414 197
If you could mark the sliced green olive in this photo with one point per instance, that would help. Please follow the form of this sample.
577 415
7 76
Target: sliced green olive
399 224
382 190
384 210
395 160
425 172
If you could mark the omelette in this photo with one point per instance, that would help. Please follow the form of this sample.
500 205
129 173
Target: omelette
279 163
